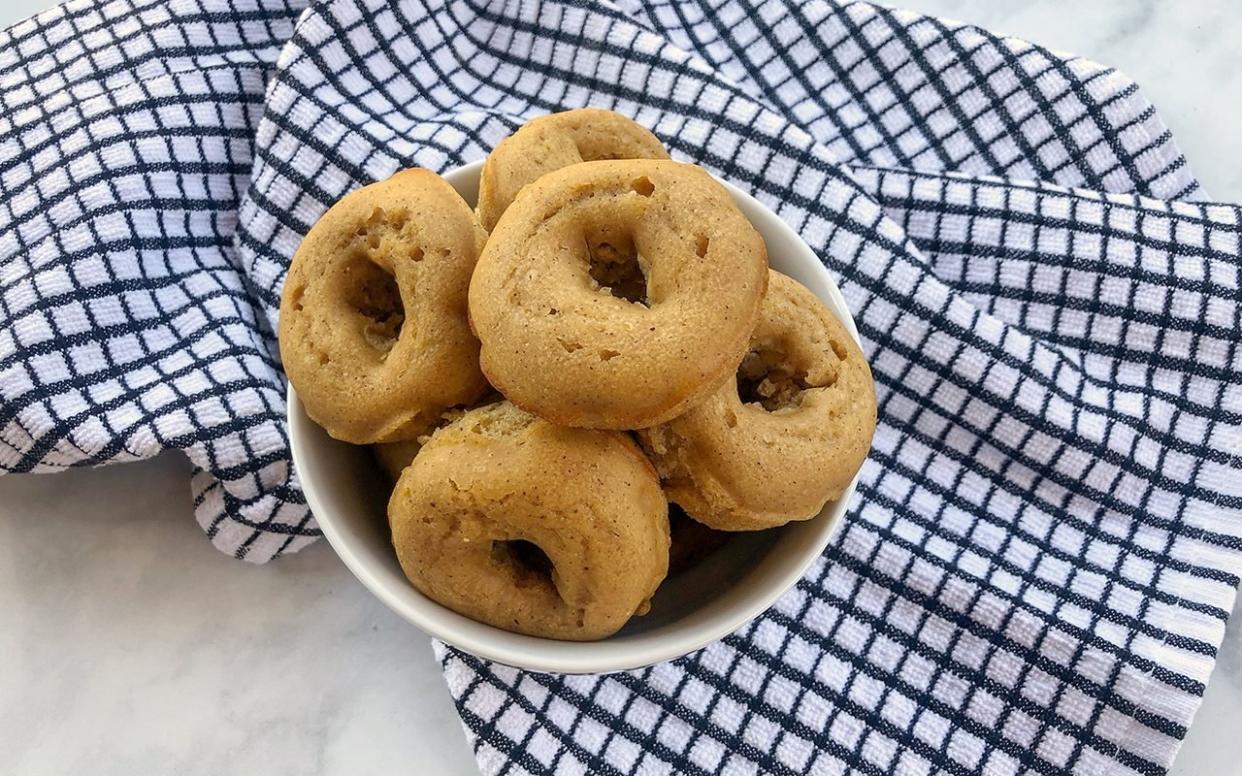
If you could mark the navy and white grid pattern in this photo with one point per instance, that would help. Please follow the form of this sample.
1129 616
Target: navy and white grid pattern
1035 573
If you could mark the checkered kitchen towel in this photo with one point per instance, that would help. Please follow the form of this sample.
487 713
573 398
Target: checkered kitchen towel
1035 573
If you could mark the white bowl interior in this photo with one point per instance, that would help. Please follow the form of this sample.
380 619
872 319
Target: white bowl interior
348 496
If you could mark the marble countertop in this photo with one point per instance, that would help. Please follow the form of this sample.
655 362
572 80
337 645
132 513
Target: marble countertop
131 646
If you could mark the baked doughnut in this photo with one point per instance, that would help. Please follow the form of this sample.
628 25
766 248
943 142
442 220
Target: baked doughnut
558 140
393 457
616 294
395 252
534 528
782 438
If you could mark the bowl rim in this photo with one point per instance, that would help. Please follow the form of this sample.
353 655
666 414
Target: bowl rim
578 657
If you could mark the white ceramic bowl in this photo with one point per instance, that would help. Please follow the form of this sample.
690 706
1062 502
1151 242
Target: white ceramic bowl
348 497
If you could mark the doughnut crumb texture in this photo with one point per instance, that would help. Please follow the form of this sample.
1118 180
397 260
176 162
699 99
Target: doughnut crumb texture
785 435
374 332
617 294
534 528
393 457
558 140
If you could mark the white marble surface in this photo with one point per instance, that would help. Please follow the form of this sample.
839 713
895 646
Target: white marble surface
131 646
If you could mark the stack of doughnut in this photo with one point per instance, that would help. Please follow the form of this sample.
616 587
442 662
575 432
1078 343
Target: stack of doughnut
542 376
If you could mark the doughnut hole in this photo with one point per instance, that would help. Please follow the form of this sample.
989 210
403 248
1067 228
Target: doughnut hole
531 565
612 234
614 264
617 294
773 377
372 292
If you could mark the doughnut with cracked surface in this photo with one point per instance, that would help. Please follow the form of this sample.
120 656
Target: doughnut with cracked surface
784 436
616 294
374 333
393 457
530 527
558 140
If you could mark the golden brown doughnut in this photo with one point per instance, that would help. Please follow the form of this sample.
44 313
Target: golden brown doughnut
534 528
558 140
551 296
373 328
393 457
782 438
